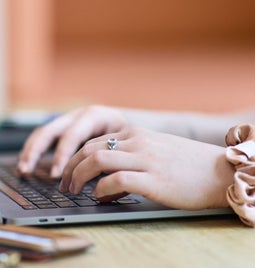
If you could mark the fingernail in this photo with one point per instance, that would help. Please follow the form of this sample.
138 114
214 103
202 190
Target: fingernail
55 172
23 167
63 187
72 188
97 193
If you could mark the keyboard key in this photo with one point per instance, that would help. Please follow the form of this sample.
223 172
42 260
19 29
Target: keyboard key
66 204
47 206
127 200
33 192
14 195
59 199
85 203
83 197
42 202
29 207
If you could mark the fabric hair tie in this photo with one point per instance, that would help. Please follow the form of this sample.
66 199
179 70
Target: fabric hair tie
241 153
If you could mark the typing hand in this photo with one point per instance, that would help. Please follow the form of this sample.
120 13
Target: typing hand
69 131
167 169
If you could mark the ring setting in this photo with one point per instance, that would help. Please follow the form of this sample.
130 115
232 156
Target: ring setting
112 143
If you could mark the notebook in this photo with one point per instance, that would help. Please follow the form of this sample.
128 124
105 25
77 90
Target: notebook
36 201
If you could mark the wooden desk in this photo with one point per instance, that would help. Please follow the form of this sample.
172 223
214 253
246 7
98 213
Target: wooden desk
194 242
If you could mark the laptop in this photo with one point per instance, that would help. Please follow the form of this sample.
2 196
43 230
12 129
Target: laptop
35 200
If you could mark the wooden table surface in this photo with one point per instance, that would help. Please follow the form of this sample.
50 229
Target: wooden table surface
192 242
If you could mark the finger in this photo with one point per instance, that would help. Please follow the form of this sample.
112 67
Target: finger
87 126
89 148
110 198
67 146
135 182
40 140
122 135
102 161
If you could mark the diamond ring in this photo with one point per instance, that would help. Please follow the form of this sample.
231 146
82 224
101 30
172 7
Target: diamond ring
112 144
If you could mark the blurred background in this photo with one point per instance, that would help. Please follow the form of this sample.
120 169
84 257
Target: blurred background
180 55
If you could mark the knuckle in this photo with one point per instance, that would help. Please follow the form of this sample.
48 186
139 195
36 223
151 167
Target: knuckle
98 157
121 179
127 132
86 150
133 132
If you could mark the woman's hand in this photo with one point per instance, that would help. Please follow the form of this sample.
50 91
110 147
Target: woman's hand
170 170
70 131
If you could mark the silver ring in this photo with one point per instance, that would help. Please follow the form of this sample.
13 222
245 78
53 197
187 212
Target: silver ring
112 143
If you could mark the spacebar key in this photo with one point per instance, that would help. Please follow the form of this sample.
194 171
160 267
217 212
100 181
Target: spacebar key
14 195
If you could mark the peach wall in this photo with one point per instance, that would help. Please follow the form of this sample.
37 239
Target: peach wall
197 55
31 53
161 21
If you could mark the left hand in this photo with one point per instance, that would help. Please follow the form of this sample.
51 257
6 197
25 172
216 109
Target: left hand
68 132
171 170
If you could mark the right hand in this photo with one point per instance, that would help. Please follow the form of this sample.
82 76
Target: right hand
69 130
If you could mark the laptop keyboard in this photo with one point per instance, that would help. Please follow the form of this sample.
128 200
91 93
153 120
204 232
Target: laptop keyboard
38 191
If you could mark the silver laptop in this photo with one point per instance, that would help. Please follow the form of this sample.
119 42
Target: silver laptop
36 201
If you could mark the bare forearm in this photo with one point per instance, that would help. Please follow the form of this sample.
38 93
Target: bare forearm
162 121
210 128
